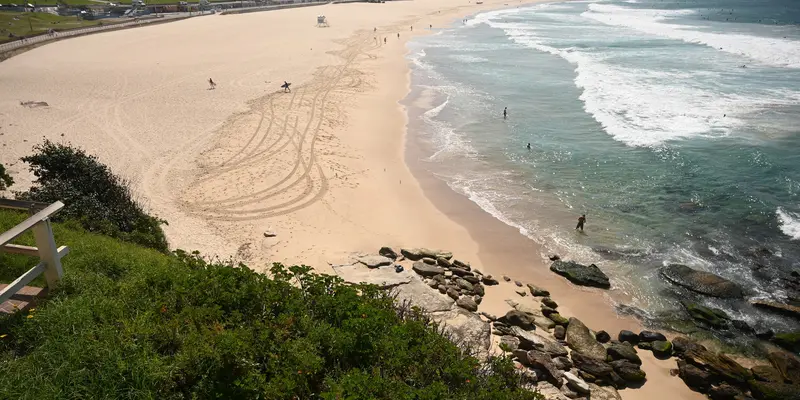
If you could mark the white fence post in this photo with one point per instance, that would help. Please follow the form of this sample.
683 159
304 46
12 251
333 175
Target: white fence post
48 253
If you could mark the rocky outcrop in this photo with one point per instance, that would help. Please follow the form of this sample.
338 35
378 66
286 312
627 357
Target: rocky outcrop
781 308
603 393
582 275
701 282
510 342
720 365
789 340
411 254
724 391
707 316
774 391
581 340
541 361
426 269
766 373
385 278
681 344
591 365
693 376
419 294
467 329
787 364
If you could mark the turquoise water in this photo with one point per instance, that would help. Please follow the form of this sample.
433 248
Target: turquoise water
675 126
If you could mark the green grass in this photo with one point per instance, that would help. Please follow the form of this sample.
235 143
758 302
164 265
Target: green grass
17 23
133 323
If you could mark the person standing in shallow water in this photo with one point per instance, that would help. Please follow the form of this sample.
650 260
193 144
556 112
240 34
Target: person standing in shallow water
581 221
505 112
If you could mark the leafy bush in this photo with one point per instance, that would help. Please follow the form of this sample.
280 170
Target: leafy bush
99 200
133 323
5 179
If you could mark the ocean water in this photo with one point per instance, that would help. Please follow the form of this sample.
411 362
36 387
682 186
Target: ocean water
675 126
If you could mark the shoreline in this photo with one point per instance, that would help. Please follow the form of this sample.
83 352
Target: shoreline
500 244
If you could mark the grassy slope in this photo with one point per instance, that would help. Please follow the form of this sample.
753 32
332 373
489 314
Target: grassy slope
17 23
133 323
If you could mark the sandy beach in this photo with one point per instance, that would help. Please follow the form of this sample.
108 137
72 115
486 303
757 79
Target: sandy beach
247 171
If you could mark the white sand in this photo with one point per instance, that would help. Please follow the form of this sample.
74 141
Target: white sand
322 167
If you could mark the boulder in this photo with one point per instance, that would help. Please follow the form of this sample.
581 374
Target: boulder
619 351
411 254
537 291
429 261
724 392
774 391
541 361
579 274
471 279
453 293
388 252
467 303
789 341
780 308
628 371
521 293
527 340
590 365
464 284
502 330
442 262
507 279
662 348
694 377
558 319
518 318
766 373
645 345
426 269
581 340
603 393
710 317
765 334
489 281
442 289
560 332
650 336
511 342
518 283
628 336
602 336
478 299
563 363
787 364
478 289
535 314
447 274
576 384
550 303
701 282
718 364
551 392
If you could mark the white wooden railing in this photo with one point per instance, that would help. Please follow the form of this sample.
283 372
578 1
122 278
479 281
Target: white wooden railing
49 255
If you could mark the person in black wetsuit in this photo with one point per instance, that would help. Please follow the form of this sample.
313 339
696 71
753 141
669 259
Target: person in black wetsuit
581 221
505 112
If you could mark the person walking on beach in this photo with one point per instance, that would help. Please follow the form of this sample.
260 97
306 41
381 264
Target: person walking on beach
286 88
398 35
211 84
581 221
529 147
384 40
505 112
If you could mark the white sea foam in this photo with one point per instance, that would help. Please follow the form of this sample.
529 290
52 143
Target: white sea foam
767 50
641 106
789 223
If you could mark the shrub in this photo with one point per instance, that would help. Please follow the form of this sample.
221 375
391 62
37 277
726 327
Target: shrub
93 196
133 323
5 179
